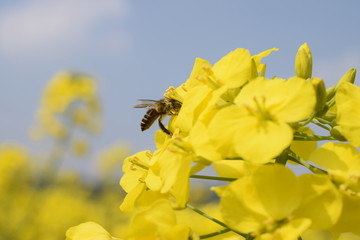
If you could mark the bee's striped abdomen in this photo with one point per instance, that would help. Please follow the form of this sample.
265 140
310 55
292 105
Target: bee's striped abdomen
149 118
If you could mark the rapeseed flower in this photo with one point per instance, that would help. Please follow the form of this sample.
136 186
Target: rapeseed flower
158 222
68 99
271 204
135 169
261 116
342 162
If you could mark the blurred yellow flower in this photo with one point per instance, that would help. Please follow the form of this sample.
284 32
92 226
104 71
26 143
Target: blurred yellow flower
80 147
69 99
14 165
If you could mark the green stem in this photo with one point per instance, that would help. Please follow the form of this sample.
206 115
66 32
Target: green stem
213 178
295 158
215 220
299 136
282 158
308 120
321 120
213 234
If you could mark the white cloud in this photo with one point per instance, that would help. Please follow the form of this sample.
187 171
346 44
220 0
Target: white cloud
38 26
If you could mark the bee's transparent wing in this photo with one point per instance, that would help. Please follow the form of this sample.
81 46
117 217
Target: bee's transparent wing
146 103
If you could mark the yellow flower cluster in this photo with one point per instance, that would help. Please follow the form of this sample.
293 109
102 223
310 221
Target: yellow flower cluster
39 199
69 99
33 206
248 127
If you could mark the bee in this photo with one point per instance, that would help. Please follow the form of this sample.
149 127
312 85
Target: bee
158 109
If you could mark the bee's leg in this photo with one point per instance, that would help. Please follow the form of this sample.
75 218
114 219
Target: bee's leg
163 128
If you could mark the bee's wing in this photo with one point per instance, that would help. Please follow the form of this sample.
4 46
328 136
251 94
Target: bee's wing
146 103
147 100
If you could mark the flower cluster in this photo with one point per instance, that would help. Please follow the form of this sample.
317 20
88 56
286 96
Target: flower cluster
69 101
39 198
249 128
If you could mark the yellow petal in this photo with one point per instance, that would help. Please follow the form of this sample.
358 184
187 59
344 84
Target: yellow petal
88 231
289 100
235 68
350 216
291 230
233 168
321 202
234 212
337 157
348 112
244 133
276 192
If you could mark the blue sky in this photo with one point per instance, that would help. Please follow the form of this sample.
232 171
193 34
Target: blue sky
137 49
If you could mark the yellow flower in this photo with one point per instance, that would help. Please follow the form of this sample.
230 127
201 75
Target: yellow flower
271 203
88 231
232 71
264 108
348 112
164 174
170 170
158 222
135 169
342 161
14 165
261 67
218 84
303 62
69 98
80 147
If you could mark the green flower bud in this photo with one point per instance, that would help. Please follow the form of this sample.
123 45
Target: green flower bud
330 93
336 133
303 62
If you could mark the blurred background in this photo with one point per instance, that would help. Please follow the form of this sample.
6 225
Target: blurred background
134 50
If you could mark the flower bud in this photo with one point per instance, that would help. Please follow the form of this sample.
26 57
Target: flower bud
349 76
320 91
336 133
330 93
303 62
